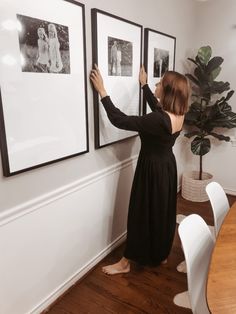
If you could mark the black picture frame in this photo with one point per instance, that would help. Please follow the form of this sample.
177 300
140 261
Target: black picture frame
157 45
106 29
43 110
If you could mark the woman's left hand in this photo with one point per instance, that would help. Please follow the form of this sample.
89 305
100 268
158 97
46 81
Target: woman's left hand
142 76
96 78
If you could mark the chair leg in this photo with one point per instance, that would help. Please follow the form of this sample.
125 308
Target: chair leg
179 218
212 229
182 299
182 268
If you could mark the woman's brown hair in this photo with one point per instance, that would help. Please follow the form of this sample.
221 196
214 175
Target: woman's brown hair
175 92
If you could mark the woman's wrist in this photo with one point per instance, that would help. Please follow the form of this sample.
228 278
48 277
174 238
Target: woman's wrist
102 93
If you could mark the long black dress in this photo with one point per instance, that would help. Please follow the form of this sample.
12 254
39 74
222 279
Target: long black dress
152 208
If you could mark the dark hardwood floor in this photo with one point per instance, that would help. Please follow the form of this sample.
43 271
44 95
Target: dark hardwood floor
143 290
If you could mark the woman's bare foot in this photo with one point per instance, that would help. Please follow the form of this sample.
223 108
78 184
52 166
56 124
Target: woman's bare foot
123 266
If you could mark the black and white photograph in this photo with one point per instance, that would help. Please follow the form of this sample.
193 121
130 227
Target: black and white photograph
117 50
120 57
161 62
43 118
44 46
159 57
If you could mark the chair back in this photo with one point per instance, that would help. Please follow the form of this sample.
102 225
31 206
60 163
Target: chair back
219 203
197 242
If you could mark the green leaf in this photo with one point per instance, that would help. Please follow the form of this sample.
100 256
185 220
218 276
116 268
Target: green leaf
220 136
200 75
195 106
204 54
200 146
215 73
223 100
224 108
228 122
229 95
219 101
194 61
222 120
219 87
213 64
192 117
199 61
192 78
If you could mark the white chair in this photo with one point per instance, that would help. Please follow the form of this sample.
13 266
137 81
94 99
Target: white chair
197 243
219 203
220 206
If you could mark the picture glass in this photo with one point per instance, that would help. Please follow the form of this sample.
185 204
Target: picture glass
117 51
159 57
43 107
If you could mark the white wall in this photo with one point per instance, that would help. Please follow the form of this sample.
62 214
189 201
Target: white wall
168 17
57 221
215 26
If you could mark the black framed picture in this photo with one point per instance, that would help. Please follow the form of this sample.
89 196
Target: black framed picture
43 105
159 56
117 50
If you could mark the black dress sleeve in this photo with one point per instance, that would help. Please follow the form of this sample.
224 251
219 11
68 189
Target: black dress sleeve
151 123
150 98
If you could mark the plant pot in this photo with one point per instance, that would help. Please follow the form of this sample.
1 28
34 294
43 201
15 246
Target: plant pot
194 189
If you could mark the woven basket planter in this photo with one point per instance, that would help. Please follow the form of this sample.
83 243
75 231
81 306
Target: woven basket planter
193 189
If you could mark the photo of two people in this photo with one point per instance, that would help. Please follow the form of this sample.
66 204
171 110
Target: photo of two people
44 46
120 57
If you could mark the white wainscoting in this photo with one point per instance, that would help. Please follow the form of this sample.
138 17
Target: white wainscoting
49 243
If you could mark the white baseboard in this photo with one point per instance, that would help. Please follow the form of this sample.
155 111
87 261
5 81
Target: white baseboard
178 188
230 192
44 304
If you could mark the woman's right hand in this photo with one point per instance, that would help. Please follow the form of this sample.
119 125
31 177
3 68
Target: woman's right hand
142 76
96 78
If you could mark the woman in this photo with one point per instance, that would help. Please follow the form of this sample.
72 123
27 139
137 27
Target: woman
118 61
152 208
114 58
54 50
42 62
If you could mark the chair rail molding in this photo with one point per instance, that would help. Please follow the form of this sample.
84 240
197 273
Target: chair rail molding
25 208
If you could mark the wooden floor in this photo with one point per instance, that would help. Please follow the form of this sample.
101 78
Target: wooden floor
143 290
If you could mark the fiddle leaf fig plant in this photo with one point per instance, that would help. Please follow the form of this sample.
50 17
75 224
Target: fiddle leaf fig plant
208 110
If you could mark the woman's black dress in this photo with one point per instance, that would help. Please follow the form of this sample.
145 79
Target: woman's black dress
152 208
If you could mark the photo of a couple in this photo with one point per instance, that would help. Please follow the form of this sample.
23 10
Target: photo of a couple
120 57
44 46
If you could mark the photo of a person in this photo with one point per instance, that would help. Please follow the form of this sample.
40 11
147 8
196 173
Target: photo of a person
54 50
120 57
118 61
44 46
114 58
43 51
